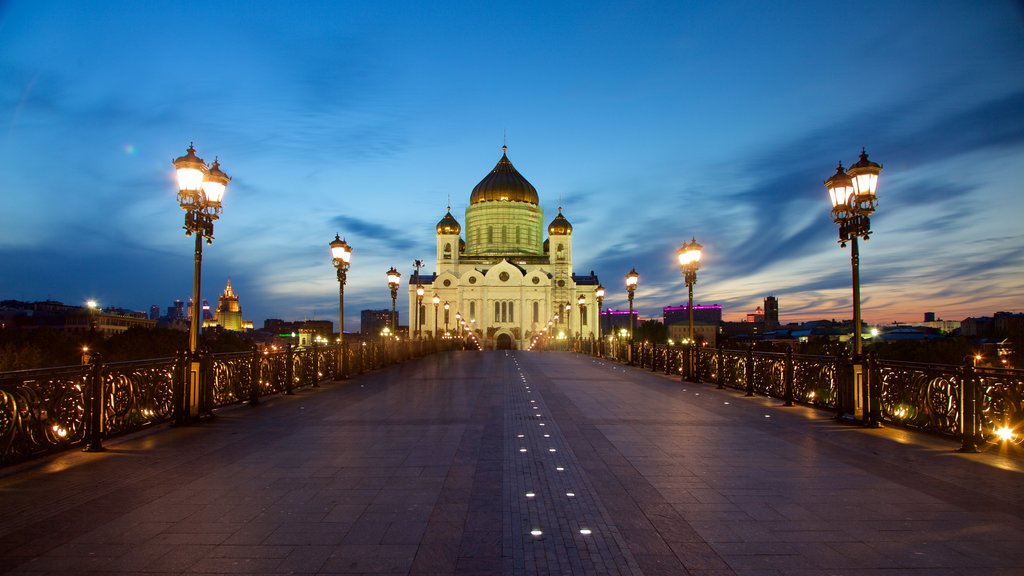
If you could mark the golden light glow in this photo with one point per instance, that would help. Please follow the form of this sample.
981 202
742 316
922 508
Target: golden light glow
632 279
1004 433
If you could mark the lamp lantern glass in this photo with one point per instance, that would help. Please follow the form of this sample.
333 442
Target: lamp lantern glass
582 300
864 178
190 170
340 251
632 279
840 189
436 299
689 254
599 291
393 277
215 182
419 291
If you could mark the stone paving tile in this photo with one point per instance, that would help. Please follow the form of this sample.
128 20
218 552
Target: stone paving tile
416 469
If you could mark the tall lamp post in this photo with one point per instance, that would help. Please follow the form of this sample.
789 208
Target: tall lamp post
632 279
200 192
852 194
599 295
447 307
689 263
419 304
437 301
393 279
341 253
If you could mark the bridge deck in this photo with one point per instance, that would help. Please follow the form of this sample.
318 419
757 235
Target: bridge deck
446 465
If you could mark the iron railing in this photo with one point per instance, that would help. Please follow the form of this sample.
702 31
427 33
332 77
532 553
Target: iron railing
53 409
974 404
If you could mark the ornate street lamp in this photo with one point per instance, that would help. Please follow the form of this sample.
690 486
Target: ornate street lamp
632 279
419 304
200 192
599 295
437 301
341 254
852 194
447 307
689 262
392 282
458 321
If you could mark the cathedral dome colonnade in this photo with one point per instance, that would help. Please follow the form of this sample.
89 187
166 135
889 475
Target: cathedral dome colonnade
504 278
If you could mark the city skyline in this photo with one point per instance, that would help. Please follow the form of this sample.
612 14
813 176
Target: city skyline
648 127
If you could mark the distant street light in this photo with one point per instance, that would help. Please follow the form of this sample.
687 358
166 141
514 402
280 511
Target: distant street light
689 262
392 282
200 193
632 279
419 304
582 303
341 253
436 300
852 194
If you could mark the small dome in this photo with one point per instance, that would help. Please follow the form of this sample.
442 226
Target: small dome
448 224
504 183
560 226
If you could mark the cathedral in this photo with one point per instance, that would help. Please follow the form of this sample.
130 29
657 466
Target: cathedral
504 279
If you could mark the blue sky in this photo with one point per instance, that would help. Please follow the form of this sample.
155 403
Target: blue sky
649 122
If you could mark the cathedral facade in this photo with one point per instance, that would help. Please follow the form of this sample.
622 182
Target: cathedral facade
504 278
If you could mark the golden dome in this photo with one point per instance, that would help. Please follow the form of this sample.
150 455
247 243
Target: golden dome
448 224
504 183
560 225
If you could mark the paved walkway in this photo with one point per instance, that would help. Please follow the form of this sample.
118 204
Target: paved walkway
517 463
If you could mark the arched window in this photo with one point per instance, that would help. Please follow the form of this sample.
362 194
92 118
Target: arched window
490 234
472 310
504 234
519 235
448 251
511 313
497 311
423 314
536 312
504 312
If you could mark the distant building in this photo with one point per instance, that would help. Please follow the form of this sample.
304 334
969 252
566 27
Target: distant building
505 278
929 316
705 314
372 322
229 313
756 317
771 313
75 319
612 321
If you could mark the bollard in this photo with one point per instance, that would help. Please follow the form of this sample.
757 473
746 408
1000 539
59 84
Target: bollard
968 409
788 377
94 436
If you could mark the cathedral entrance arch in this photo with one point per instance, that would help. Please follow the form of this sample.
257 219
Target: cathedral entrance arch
504 342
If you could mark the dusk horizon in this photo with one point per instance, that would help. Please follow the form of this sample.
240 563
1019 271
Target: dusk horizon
646 127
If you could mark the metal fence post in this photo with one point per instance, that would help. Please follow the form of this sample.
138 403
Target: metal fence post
316 365
721 367
968 409
696 364
95 405
750 371
788 377
254 377
289 370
